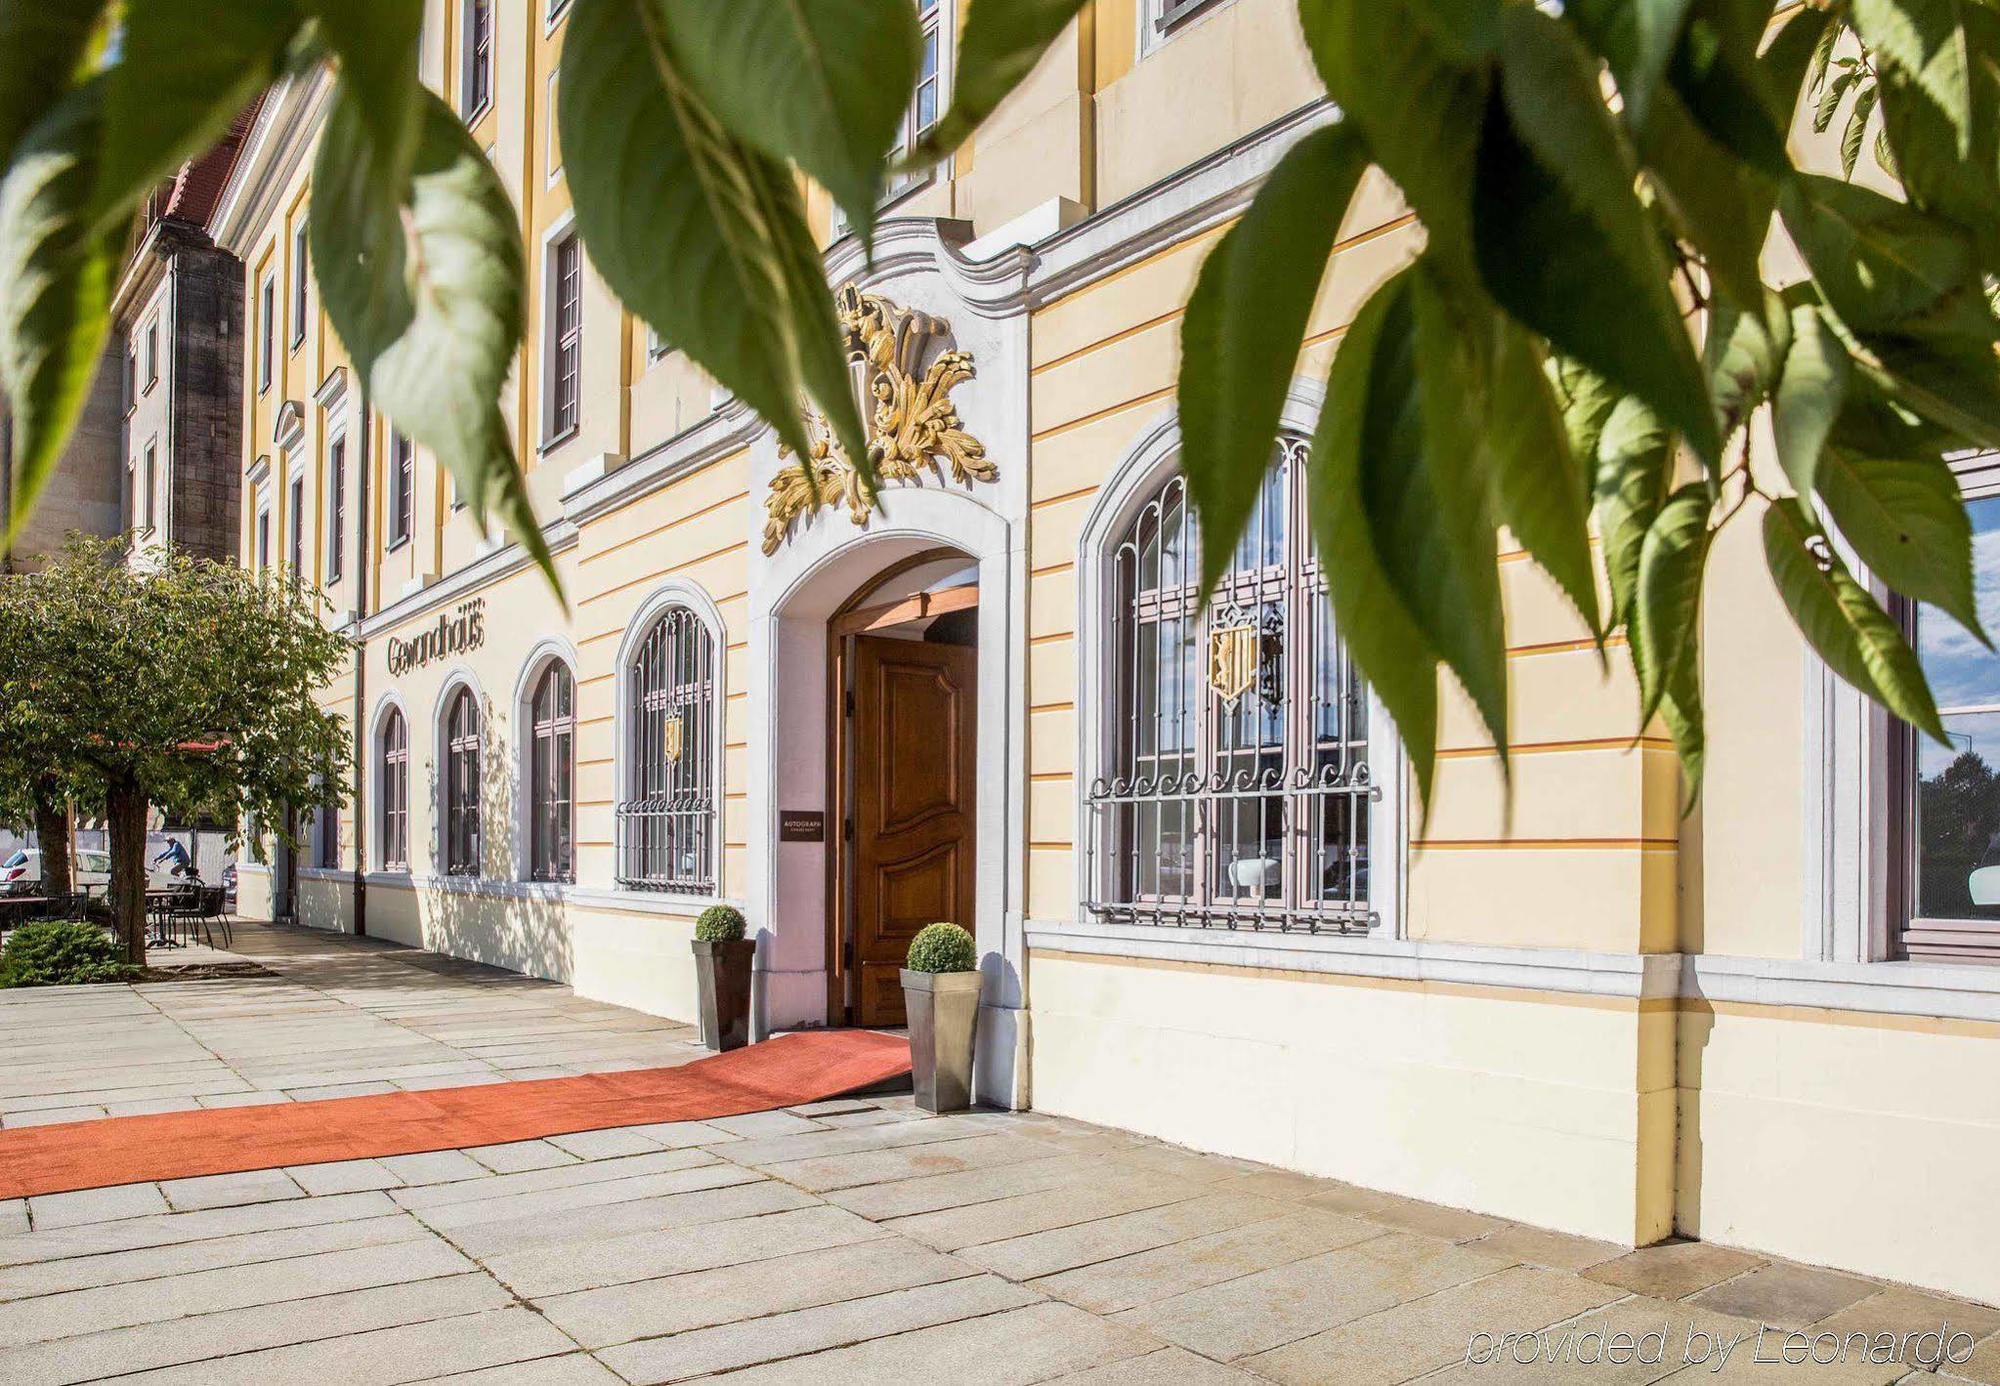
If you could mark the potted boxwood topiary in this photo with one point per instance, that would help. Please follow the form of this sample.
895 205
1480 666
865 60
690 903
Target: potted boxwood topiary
941 993
722 959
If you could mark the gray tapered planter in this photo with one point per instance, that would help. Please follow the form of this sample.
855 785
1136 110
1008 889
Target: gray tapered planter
944 1014
722 975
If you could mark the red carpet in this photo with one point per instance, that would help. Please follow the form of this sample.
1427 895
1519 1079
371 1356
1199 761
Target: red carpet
783 1072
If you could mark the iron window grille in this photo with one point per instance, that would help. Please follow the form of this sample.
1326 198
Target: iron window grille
1234 787
666 821
461 786
395 775
552 775
568 326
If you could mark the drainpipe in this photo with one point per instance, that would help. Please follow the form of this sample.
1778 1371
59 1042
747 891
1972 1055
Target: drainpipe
361 559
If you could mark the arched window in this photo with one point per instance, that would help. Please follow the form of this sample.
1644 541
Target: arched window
461 785
666 815
395 793
551 774
1234 784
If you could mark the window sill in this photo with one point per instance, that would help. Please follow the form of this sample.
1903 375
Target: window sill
1948 990
1167 25
402 542
151 386
557 442
477 114
645 901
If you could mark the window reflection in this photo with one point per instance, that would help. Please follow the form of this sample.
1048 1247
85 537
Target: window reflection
1957 800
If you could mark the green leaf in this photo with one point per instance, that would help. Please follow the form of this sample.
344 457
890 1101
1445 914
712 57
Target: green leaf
1793 53
1809 395
1745 353
1716 73
41 47
1717 204
1666 605
1844 624
1636 37
56 281
1965 187
1878 262
1540 489
1635 459
1927 40
376 42
1680 707
436 339
1822 59
1559 193
1425 495
1384 639
1857 128
1466 29
185 68
824 85
1418 109
1830 99
1907 523
999 46
1586 399
1241 335
1955 384
680 221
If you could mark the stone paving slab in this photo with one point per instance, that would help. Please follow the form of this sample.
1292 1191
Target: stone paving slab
858 1240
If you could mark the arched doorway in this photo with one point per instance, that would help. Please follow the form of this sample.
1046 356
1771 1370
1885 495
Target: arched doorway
903 774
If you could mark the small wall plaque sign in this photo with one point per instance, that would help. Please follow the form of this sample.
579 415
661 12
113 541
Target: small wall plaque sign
801 825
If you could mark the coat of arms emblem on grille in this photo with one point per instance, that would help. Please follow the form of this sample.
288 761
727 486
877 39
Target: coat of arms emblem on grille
912 425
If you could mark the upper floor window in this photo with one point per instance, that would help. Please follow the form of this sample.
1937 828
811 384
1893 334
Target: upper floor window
152 353
267 332
393 771
131 380
461 785
300 281
565 345
666 812
402 488
295 501
150 479
336 509
1164 16
326 831
1950 798
1233 784
552 774
476 81
928 100
264 539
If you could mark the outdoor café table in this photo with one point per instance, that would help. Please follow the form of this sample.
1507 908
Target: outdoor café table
157 904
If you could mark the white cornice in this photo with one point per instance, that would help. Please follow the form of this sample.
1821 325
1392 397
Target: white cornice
278 142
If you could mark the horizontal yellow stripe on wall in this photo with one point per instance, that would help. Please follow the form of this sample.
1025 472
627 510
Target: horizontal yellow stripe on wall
1545 844
658 530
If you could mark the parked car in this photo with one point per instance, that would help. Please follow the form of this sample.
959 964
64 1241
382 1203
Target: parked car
90 872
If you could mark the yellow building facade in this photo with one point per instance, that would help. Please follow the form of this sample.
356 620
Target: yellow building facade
1205 906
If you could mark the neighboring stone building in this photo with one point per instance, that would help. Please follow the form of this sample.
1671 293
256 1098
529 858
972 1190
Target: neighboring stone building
86 491
1205 912
178 319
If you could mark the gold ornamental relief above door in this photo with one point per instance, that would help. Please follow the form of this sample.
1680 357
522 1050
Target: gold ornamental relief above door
913 426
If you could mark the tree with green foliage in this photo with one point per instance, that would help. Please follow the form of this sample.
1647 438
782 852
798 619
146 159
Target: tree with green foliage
179 683
1590 334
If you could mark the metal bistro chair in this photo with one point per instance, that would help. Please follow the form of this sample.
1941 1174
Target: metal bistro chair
199 908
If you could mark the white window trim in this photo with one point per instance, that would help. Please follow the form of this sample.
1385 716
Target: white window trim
558 231
390 701
552 136
335 543
469 113
1146 467
267 332
554 649
461 676
671 593
1151 37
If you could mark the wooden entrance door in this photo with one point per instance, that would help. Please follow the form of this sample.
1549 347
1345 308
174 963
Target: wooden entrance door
915 772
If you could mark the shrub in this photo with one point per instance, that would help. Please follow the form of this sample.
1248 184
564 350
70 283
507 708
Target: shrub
59 953
943 948
719 924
